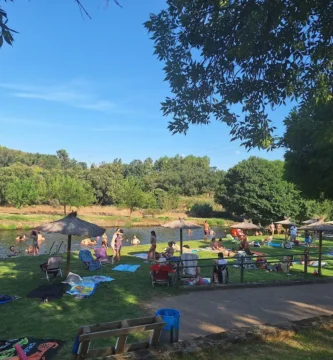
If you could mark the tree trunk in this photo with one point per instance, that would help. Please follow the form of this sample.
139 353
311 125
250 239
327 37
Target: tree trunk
65 209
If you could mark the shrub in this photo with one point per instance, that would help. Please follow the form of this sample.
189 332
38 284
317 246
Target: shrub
201 210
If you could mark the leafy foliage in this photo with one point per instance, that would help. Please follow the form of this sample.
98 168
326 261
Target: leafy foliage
7 34
70 191
26 191
309 148
256 54
255 189
132 195
201 210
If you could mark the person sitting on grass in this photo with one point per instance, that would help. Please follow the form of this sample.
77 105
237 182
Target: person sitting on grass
213 244
267 240
169 251
220 245
13 251
245 246
220 269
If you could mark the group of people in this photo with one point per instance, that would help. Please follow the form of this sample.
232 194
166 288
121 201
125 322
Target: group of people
37 239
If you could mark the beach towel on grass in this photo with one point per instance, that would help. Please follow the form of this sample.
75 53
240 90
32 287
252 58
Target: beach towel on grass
143 256
209 249
83 289
36 349
6 298
98 278
258 253
129 268
315 264
48 292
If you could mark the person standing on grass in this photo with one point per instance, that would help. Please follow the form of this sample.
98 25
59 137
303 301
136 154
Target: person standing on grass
153 242
118 245
112 244
206 230
272 229
293 233
35 247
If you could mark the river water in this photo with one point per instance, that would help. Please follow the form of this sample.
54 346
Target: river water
7 238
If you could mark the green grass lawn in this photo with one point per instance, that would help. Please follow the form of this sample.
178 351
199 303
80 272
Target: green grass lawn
117 300
306 345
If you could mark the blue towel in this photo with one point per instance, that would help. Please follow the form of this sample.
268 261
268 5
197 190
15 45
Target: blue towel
129 268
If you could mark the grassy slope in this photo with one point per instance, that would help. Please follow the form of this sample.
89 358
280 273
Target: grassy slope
120 299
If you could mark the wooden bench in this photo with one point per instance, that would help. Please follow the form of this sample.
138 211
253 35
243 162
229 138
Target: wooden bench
120 330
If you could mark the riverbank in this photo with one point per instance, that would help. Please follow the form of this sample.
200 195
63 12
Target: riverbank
29 218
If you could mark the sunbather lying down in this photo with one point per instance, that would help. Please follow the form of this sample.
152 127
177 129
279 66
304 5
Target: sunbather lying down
176 247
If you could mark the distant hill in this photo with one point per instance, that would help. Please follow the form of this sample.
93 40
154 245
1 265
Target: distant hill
61 160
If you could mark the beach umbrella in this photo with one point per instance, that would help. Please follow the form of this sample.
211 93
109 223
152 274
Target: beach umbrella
287 222
310 221
319 226
245 225
71 225
181 224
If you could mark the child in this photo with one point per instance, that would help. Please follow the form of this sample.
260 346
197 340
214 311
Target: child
105 241
307 238
13 251
220 270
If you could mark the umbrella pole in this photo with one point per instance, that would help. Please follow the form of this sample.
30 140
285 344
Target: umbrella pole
69 245
320 250
181 241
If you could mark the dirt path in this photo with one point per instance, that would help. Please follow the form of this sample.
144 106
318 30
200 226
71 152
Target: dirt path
205 312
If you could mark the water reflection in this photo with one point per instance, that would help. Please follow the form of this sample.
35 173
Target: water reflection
7 238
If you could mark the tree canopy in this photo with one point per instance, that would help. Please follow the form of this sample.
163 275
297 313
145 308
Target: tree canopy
257 54
7 34
255 189
309 146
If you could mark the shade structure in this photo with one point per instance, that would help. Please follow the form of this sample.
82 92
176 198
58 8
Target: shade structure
310 221
245 225
319 226
287 222
71 225
181 224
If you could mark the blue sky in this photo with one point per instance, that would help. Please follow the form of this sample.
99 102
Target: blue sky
94 87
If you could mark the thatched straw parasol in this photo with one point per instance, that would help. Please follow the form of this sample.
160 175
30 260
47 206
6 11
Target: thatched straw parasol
245 225
319 226
181 224
286 223
71 225
310 221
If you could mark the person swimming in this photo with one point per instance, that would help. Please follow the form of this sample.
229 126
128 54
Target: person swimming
21 238
135 241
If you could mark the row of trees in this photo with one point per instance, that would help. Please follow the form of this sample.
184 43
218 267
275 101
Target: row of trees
254 188
28 179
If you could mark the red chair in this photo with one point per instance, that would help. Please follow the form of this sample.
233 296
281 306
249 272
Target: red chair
161 274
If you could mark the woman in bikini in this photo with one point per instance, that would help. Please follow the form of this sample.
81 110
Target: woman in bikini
152 250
